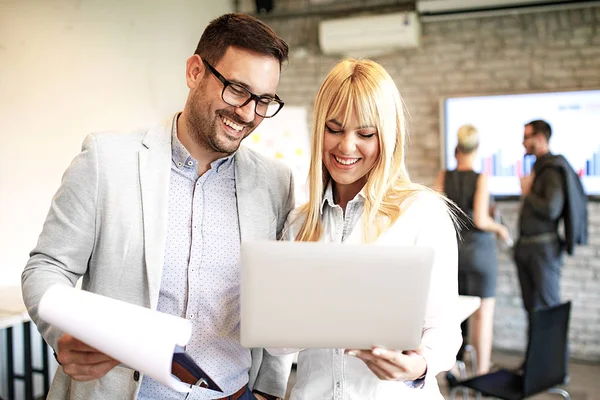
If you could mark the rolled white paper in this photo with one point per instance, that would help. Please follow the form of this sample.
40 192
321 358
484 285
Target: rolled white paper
138 337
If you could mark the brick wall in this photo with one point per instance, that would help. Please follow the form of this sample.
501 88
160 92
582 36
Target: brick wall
526 52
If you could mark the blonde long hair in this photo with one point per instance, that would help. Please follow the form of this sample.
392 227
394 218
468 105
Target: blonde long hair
363 87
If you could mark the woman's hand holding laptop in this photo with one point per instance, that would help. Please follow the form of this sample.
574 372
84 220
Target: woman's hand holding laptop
393 365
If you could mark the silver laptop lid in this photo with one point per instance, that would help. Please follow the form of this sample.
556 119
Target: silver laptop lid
320 295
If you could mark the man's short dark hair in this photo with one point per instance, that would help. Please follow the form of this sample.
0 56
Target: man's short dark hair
541 126
242 31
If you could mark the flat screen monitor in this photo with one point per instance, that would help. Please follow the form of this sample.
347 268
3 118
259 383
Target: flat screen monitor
573 115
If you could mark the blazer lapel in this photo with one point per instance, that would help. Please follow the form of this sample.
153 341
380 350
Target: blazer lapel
252 197
155 173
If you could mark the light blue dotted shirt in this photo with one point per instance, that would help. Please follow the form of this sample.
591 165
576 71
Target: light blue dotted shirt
200 278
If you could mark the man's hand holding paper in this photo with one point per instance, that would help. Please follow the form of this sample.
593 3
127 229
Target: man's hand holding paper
82 362
101 330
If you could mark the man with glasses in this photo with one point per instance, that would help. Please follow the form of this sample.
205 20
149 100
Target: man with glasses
552 192
156 217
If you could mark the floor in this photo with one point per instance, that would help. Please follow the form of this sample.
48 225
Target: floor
584 385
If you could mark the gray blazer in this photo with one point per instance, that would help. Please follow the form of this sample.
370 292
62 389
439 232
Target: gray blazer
107 224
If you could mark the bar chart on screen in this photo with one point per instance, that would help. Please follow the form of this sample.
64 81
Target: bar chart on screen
573 115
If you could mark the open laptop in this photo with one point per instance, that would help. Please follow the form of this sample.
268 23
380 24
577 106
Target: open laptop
320 295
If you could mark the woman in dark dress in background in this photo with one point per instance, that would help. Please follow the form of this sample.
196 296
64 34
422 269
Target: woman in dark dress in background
477 262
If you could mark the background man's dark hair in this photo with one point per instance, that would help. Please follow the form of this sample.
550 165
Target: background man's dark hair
541 126
242 31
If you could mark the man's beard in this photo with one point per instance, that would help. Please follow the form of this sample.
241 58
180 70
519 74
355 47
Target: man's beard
204 128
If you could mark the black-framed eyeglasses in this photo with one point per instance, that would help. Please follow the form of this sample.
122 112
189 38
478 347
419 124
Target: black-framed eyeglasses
236 95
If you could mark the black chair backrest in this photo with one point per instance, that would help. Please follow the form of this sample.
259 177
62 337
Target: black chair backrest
545 361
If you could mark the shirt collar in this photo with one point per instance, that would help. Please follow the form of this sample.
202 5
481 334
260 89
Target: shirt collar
328 197
182 158
222 164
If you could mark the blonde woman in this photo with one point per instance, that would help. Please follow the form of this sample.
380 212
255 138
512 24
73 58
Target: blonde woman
360 192
477 263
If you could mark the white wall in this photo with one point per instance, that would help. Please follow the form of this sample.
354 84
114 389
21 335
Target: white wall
69 67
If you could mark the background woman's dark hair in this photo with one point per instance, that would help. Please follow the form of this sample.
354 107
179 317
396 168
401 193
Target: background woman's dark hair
242 31
541 126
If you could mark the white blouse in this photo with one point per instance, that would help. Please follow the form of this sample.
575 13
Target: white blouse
424 221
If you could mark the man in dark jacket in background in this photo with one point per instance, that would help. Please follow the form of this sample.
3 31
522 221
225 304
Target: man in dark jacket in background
553 191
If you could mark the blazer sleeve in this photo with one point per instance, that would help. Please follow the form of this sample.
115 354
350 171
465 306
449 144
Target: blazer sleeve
65 244
288 205
273 374
274 371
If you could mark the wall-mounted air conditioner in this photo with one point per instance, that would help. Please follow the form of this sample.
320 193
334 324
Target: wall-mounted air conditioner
368 36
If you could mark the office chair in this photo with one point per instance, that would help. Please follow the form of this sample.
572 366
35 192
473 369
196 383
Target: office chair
462 369
545 361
